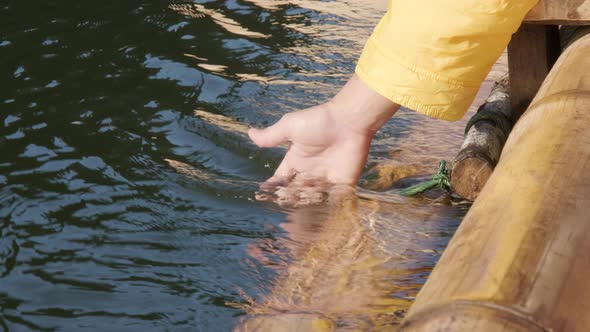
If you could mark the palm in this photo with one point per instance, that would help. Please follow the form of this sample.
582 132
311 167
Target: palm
320 146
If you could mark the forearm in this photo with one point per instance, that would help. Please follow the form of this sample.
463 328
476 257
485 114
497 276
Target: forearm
360 107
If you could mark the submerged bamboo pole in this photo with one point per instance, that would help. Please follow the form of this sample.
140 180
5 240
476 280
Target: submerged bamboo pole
519 261
337 273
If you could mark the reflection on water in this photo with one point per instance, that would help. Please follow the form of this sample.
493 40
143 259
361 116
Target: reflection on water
353 263
127 184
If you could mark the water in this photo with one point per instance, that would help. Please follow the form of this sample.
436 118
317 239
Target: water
127 185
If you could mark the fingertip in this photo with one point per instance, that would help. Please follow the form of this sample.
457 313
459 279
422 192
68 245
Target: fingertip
249 132
253 134
252 130
268 137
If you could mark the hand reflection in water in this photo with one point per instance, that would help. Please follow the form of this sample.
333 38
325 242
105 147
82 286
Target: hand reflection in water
301 191
331 270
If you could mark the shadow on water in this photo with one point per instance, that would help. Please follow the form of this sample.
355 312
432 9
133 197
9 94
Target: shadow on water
127 184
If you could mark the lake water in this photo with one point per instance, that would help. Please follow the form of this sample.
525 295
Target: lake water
127 185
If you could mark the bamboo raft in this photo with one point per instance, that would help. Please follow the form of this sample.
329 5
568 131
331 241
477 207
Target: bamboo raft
519 262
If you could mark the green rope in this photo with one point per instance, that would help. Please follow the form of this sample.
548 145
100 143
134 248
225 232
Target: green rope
442 180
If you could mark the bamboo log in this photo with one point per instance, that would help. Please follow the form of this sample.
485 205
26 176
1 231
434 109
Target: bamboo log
519 262
482 146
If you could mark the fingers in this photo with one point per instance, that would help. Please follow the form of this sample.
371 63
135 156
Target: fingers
272 136
283 173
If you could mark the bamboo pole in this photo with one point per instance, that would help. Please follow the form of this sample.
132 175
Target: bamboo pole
483 144
519 261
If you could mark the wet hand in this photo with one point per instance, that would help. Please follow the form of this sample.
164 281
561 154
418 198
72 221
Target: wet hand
322 145
330 141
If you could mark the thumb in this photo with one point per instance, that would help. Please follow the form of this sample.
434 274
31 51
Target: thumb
269 137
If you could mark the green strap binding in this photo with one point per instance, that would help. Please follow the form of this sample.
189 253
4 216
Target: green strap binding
442 180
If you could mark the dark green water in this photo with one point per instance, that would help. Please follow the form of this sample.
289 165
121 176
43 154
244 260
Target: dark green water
124 210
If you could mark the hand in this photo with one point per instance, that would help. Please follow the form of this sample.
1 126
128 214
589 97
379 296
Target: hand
330 141
322 145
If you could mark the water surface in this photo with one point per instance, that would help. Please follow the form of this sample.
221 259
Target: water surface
127 185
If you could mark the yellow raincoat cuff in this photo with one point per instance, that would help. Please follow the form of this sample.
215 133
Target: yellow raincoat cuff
412 87
431 56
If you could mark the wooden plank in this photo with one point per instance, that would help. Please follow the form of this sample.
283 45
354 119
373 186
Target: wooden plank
531 53
518 261
560 12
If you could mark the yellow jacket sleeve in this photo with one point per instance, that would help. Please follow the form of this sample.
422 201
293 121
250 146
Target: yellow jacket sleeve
432 55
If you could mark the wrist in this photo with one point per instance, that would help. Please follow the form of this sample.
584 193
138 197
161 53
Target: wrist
360 107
